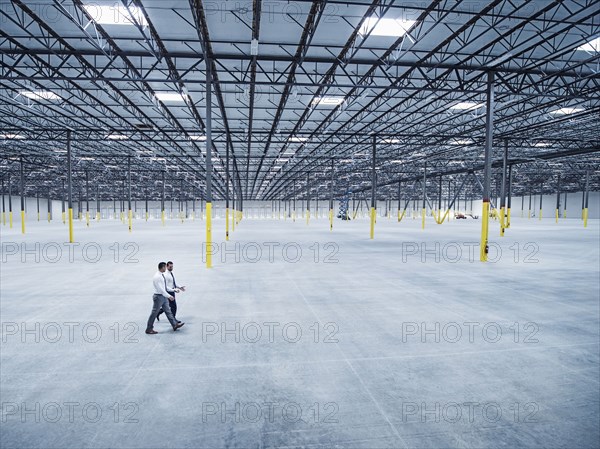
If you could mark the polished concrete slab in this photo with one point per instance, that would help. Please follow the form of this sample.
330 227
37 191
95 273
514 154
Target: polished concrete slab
311 339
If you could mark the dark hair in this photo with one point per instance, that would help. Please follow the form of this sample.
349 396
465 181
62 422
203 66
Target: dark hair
161 265
169 263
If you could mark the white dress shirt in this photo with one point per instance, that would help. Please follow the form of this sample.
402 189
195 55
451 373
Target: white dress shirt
159 282
170 281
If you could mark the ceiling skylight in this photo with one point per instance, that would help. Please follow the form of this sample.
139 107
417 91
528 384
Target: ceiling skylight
40 95
115 14
386 27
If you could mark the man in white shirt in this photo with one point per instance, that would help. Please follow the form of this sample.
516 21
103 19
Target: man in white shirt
161 299
172 288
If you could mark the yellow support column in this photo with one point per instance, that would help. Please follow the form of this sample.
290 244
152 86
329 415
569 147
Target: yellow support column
130 216
485 217
49 218
556 215
162 217
227 224
4 218
508 218
97 216
423 212
208 235
502 225
585 217
146 216
87 219
71 225
307 216
38 216
64 219
10 220
540 214
373 212
22 222
331 219
564 213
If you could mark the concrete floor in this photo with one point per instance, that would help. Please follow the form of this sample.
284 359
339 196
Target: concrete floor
404 352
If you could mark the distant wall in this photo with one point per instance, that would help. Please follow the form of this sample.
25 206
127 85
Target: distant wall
262 209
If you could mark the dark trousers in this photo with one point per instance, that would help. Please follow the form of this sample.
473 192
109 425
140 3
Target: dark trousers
159 302
172 306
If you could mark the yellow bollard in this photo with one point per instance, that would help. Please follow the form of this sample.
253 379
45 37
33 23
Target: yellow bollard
10 220
49 217
485 217
556 215
307 216
22 222
564 213
226 224
585 217
97 216
63 218
502 227
423 212
373 212
162 217
508 218
540 214
87 219
208 235
130 216
70 225
331 219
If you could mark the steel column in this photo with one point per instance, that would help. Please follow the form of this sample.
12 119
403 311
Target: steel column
208 191
487 171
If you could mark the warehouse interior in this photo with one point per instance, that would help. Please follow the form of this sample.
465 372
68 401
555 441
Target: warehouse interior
384 215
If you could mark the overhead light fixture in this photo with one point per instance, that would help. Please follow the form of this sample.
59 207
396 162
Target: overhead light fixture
40 95
390 140
88 158
499 60
592 46
198 137
461 142
11 136
254 47
117 137
60 151
327 101
386 27
115 14
542 144
170 96
467 106
397 161
567 110
298 139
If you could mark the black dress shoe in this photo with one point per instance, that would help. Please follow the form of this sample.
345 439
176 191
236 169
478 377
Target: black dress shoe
177 326
151 332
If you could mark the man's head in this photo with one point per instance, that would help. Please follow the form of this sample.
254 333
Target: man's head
170 265
162 266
